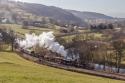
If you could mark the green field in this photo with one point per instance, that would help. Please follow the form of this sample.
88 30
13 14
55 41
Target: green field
14 69
21 32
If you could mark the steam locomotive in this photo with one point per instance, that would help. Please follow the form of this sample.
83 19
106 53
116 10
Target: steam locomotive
51 57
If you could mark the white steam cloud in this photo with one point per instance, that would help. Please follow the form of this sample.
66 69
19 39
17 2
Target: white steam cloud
45 40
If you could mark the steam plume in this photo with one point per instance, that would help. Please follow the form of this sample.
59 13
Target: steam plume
45 40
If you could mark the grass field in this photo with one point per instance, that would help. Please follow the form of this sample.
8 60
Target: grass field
14 69
21 32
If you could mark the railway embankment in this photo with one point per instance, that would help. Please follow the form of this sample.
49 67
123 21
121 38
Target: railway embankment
71 68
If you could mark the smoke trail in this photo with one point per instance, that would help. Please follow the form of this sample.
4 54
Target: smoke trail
45 40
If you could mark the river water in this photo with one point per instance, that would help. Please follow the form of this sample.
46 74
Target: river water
108 68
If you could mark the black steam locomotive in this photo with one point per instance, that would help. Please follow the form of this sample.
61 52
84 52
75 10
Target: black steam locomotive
52 57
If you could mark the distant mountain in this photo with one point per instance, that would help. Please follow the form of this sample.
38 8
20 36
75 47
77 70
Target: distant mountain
58 14
89 15
19 10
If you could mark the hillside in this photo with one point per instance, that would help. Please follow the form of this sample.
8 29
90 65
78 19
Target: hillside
55 13
89 15
19 11
14 69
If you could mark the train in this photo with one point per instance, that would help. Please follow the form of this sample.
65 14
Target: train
56 58
51 57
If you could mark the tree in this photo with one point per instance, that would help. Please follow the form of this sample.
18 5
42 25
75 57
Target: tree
110 26
119 46
62 41
12 38
8 36
25 24
83 49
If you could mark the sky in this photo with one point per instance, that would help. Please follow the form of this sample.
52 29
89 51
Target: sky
115 8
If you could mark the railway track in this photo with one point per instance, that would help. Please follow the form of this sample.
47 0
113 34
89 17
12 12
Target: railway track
73 69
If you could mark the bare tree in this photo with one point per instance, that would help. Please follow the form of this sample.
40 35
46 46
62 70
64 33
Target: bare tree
119 46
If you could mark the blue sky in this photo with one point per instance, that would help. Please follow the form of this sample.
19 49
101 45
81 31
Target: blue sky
114 8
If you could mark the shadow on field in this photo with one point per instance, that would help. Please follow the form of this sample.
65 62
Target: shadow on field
6 63
8 51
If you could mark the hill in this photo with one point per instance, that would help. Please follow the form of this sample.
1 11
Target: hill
90 15
18 11
14 69
55 13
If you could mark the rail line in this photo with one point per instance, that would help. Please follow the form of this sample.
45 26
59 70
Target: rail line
71 68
